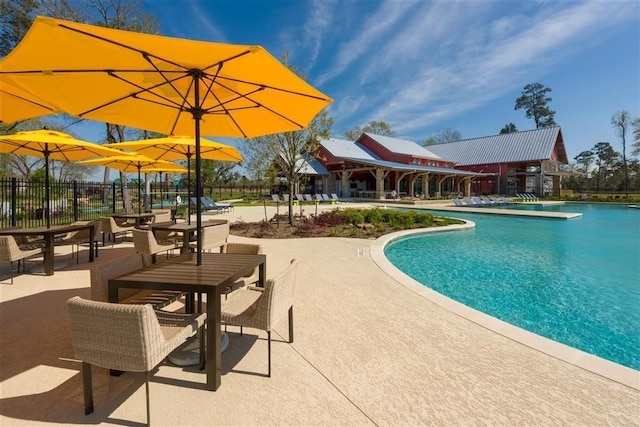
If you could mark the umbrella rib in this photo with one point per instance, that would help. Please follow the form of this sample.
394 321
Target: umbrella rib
221 104
26 100
264 86
135 95
147 54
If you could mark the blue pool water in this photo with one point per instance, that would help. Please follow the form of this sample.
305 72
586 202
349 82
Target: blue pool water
574 281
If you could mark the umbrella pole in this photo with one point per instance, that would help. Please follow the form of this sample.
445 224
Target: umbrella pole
161 206
139 166
47 211
197 116
189 186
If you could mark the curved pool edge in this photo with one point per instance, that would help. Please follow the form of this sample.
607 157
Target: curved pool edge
603 367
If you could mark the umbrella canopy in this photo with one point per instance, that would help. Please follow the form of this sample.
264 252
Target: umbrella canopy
168 85
180 147
133 163
17 104
52 145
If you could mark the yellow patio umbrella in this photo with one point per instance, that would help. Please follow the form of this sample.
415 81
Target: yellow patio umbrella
54 145
133 163
168 85
180 147
17 104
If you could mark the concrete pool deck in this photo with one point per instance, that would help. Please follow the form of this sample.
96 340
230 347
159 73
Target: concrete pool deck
368 350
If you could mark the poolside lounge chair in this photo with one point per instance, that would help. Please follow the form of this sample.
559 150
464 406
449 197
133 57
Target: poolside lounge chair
467 201
275 198
300 198
309 198
457 202
335 197
224 206
263 308
124 337
325 198
210 206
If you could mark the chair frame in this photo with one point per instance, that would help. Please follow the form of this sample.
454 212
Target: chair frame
117 326
259 308
11 251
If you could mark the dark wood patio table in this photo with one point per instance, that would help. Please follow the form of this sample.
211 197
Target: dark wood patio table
49 235
139 217
217 272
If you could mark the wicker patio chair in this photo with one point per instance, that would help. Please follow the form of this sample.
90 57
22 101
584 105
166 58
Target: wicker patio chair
213 236
11 252
101 274
247 249
110 227
263 308
76 238
146 244
123 337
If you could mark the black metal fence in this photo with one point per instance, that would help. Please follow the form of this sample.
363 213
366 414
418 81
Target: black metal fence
23 204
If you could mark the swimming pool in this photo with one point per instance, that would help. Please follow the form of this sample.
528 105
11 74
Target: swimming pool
574 281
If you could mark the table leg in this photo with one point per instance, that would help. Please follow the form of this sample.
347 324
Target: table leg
48 254
91 243
214 344
185 242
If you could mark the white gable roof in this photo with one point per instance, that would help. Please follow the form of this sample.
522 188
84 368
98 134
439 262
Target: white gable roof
403 146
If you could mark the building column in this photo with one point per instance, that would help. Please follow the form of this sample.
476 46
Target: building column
425 185
344 178
380 175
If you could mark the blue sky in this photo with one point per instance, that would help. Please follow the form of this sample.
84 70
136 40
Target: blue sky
421 66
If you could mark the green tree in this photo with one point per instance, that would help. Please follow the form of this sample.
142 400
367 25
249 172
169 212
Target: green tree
442 136
621 122
508 128
534 101
17 16
284 153
635 124
584 159
606 157
288 150
374 127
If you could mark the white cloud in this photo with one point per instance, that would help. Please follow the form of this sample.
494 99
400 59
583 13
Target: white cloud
318 22
466 63
201 21
368 37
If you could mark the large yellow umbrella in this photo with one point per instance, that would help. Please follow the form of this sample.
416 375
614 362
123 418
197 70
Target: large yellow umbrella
17 104
180 147
168 85
54 145
133 163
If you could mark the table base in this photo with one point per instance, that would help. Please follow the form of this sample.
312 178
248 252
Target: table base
188 354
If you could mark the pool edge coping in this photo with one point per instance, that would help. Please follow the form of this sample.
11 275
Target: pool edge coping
595 364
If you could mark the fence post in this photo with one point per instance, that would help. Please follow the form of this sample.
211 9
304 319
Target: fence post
113 197
14 199
75 200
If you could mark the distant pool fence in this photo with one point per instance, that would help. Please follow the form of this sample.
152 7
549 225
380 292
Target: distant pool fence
22 202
